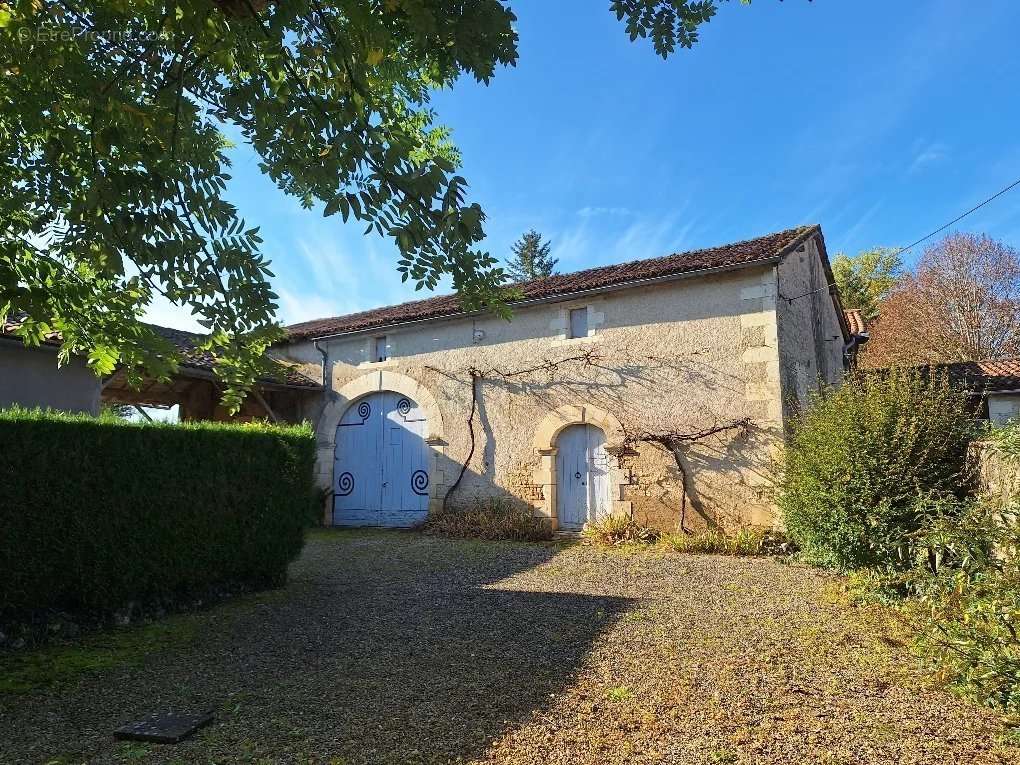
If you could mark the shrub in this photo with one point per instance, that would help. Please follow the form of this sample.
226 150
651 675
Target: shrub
857 459
617 530
744 542
496 518
967 582
100 512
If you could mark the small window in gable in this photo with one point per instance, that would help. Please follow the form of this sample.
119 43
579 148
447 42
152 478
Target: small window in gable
380 349
579 322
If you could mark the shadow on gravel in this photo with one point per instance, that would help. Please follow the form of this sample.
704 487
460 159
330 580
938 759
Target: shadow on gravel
384 648
431 666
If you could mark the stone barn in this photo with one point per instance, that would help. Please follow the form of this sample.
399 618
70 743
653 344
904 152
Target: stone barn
656 389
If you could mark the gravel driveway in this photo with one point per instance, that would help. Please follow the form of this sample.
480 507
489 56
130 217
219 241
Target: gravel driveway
398 648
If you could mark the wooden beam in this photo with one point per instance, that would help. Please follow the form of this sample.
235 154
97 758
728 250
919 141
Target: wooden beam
124 396
262 401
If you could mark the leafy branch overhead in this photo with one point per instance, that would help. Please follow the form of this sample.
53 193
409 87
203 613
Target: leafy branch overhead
116 123
668 23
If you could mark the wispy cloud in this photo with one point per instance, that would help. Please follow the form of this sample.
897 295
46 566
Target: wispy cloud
927 154
856 228
340 272
594 242
594 212
303 306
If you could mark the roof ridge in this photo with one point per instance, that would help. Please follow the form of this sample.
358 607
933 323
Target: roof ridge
546 287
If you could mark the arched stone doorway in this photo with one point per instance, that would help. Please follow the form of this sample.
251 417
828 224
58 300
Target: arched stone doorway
546 444
431 487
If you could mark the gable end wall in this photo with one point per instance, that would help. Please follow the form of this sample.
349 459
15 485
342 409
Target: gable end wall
811 339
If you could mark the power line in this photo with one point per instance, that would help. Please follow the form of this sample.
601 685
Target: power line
957 220
939 230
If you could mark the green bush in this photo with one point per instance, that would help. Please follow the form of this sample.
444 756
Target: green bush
493 519
966 605
857 460
98 512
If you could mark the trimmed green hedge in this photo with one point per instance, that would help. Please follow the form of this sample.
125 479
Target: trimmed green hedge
97 512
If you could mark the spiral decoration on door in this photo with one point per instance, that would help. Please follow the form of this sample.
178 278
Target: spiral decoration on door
420 483
344 484
404 407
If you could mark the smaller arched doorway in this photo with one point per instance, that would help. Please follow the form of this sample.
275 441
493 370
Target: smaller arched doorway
381 463
582 477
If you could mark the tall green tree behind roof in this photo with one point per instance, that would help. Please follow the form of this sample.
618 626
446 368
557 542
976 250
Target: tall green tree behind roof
531 258
867 278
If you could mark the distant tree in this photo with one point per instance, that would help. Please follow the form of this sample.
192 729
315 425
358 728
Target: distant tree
867 278
961 304
531 258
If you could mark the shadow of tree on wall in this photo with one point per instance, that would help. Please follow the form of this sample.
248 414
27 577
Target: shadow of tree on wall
640 391
386 647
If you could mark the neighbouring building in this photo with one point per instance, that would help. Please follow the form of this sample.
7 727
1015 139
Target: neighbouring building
657 389
996 382
30 377
993 383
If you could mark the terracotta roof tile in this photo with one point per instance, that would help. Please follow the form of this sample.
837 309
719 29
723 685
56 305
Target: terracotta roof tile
737 255
855 320
985 376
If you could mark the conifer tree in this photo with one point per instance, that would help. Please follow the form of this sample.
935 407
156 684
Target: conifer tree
531 259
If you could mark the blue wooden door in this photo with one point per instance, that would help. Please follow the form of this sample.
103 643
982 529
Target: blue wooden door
381 467
582 476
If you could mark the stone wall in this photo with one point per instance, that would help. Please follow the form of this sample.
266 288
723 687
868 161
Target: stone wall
811 338
996 478
682 356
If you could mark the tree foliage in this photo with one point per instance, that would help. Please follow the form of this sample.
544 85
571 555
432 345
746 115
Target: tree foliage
966 579
531 258
867 278
116 119
858 459
668 23
962 303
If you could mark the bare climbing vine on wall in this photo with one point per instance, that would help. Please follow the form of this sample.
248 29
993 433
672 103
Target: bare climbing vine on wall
477 376
673 438
676 441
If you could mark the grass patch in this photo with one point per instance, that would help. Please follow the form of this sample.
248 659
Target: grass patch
494 519
619 693
46 667
617 531
744 542
342 533
622 532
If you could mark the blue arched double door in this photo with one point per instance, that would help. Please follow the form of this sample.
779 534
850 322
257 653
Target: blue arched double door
381 465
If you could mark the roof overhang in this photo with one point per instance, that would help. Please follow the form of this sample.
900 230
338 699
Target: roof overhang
561 298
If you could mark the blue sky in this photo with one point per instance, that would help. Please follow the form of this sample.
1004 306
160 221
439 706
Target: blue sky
879 120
